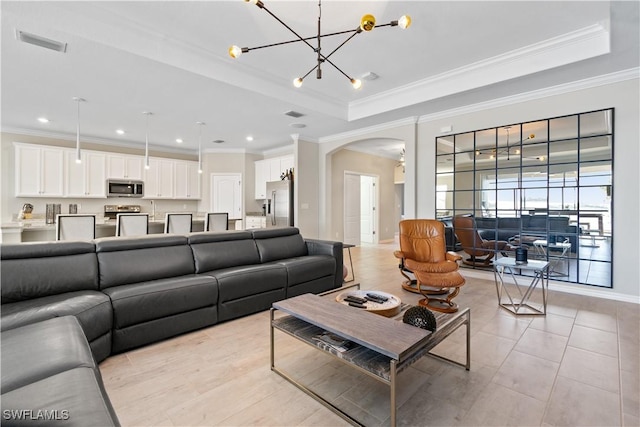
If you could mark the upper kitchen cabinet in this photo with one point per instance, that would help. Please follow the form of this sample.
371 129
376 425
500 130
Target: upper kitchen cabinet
159 179
187 180
262 175
88 178
39 171
268 170
122 166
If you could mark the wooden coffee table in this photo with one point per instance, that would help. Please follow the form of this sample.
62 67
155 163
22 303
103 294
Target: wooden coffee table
382 347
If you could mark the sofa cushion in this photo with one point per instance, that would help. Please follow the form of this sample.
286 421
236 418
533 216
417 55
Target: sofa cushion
145 301
91 308
32 270
279 243
215 251
40 350
307 268
72 398
123 261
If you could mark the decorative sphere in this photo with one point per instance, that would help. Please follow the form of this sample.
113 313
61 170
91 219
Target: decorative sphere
420 317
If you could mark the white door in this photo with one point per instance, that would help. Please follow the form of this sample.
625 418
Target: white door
368 209
351 208
226 194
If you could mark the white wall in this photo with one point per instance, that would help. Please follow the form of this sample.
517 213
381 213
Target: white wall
622 93
306 196
624 97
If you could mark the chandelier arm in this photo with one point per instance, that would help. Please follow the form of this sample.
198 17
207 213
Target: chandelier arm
300 38
355 32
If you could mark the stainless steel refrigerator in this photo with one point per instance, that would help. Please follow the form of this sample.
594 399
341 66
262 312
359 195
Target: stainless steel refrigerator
280 204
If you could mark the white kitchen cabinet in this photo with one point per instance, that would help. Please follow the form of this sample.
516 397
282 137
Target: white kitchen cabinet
262 170
268 170
286 163
187 180
252 222
88 178
122 166
39 171
159 179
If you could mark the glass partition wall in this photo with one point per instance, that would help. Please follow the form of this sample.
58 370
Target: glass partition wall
545 185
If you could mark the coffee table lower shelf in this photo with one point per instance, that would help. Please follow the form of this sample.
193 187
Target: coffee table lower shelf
366 360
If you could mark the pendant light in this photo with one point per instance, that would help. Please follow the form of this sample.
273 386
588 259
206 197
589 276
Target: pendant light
200 124
78 154
146 140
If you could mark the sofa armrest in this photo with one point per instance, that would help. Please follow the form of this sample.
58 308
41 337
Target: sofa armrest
331 248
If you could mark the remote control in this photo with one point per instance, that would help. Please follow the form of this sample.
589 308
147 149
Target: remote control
355 304
352 298
377 297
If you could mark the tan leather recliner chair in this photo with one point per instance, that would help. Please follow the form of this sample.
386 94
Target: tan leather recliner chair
423 253
473 244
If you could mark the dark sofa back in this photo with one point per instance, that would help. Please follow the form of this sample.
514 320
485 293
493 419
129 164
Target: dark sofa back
214 251
33 270
123 261
279 243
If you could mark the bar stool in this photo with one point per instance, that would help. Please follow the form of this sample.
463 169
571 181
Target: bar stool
216 221
132 224
178 223
75 227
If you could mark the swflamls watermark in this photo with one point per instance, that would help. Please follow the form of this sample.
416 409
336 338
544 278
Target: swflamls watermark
36 414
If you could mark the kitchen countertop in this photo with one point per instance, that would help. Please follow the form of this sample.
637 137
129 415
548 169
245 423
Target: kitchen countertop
41 225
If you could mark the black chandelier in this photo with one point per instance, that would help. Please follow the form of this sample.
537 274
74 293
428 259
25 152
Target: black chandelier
367 23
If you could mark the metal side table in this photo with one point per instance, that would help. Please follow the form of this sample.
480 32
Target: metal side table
518 303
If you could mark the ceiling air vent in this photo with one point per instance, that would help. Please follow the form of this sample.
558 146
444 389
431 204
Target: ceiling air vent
41 41
293 114
218 141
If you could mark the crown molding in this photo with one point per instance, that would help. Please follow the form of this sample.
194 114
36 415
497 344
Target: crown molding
588 83
572 47
94 140
370 129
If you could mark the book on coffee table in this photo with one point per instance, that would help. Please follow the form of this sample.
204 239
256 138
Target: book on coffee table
335 341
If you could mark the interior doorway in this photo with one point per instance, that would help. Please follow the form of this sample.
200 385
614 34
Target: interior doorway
360 208
226 194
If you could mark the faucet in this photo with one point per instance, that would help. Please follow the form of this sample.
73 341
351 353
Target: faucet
153 210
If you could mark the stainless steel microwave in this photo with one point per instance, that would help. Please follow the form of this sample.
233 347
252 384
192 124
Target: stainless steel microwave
124 188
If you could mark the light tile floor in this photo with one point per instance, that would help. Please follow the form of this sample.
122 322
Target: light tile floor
577 366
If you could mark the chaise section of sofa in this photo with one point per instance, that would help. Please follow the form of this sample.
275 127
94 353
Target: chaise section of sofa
154 290
49 377
245 285
41 281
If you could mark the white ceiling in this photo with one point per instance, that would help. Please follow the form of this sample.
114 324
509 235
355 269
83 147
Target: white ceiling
170 58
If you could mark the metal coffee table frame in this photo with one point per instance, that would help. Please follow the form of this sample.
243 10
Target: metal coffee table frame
447 324
519 304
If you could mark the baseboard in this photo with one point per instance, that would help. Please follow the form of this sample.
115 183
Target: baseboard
576 289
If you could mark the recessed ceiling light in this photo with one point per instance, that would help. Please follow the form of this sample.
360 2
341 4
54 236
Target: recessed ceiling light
218 141
43 120
249 138
179 140
119 131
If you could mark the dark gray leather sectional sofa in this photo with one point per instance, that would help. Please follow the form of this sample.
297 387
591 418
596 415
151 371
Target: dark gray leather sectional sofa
68 305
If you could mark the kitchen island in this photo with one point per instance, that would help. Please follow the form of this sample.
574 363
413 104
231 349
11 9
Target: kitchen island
37 230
